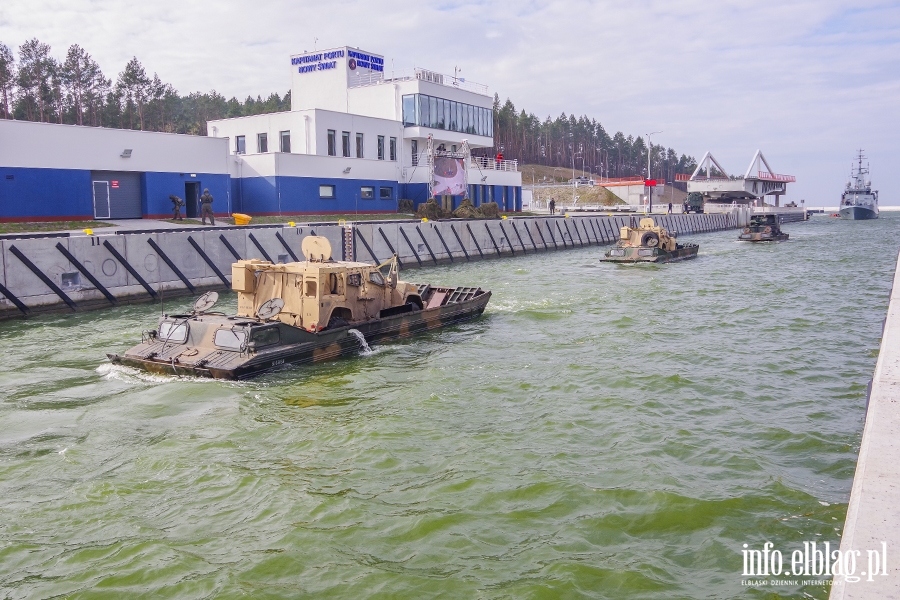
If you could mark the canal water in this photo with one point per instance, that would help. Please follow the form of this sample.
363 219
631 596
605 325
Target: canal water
602 431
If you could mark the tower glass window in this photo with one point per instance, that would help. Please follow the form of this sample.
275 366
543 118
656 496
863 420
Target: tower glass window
262 143
240 145
332 142
393 148
285 141
359 145
380 147
345 143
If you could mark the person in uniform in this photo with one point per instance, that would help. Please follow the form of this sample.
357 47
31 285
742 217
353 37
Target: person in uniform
177 203
552 206
206 210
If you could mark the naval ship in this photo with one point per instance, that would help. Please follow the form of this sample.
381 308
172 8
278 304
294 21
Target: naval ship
859 201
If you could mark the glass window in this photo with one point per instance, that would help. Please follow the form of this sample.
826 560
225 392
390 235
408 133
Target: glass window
471 111
240 145
359 145
367 192
311 287
262 142
393 148
354 279
232 339
173 332
376 277
380 147
265 337
332 142
491 122
446 123
423 111
482 122
285 141
387 193
414 146
433 112
453 108
326 191
345 141
464 126
409 110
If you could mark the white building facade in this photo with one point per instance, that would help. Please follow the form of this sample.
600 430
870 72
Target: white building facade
358 139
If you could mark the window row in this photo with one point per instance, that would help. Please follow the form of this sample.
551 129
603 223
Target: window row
262 142
427 111
360 145
366 192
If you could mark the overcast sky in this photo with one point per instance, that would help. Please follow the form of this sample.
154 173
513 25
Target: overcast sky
808 83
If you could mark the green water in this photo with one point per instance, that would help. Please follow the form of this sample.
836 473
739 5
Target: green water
602 431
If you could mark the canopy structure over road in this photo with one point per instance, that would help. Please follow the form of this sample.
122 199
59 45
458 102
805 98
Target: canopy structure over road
759 181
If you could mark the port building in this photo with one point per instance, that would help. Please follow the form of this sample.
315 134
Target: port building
358 138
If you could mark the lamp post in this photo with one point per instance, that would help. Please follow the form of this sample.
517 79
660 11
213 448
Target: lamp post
649 189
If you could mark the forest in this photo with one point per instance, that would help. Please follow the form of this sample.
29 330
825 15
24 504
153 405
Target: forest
36 86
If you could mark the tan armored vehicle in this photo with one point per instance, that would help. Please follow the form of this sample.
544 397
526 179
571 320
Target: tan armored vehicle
299 312
648 243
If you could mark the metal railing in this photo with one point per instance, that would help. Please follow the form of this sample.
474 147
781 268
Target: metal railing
451 81
491 164
773 177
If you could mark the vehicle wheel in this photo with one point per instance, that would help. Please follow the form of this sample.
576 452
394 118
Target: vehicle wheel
650 239
335 322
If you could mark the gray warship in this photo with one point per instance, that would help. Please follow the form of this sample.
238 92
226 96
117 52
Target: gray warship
859 201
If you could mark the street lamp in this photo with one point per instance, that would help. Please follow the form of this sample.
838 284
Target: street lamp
649 189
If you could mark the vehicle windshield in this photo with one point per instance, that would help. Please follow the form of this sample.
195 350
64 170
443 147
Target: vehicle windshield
232 339
173 332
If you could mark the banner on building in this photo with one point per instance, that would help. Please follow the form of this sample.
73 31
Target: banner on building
449 176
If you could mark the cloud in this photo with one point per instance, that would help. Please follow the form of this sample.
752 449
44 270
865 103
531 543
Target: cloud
806 81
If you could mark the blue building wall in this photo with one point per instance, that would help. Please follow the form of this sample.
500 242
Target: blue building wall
298 195
156 187
45 194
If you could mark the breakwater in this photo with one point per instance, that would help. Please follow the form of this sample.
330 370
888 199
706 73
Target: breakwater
69 273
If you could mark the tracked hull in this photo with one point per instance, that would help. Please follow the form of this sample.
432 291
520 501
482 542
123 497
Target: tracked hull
650 255
157 356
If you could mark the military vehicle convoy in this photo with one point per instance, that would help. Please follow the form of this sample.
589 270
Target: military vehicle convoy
296 313
763 228
648 243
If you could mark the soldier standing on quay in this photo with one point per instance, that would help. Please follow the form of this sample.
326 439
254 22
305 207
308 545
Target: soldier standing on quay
177 203
206 210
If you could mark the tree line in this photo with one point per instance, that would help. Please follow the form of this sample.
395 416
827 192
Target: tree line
582 141
36 86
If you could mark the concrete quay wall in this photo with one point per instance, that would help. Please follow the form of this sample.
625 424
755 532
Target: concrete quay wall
873 515
53 274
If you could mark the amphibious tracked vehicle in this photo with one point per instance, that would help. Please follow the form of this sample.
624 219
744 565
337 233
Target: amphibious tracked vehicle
648 243
298 312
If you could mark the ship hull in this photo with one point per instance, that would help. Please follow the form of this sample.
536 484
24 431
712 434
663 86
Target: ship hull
325 345
858 213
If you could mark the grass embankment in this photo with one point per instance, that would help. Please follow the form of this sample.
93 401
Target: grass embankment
542 174
50 226
584 195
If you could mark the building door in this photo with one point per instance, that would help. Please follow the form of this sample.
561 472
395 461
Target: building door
124 193
192 199
101 199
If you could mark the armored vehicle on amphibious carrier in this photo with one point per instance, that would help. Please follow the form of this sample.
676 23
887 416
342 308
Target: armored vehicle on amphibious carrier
649 243
763 228
298 312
